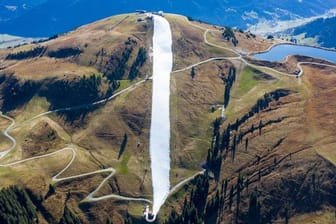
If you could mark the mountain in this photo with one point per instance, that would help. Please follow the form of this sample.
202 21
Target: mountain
10 41
322 30
49 17
268 157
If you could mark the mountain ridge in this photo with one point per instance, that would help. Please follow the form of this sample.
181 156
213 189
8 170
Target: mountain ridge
54 17
275 140
323 30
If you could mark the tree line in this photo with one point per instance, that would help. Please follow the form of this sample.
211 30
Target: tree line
228 85
116 66
74 93
61 93
32 53
194 205
137 64
119 64
40 51
16 207
229 35
65 52
16 93
210 207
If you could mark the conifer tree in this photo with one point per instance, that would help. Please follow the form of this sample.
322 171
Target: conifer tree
246 143
253 215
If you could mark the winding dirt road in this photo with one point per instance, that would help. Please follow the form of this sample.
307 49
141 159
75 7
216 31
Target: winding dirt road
5 152
240 56
56 178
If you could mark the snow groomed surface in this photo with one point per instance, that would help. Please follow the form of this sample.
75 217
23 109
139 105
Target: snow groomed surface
160 122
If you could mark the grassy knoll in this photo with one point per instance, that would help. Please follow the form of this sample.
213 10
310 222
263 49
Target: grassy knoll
246 41
123 169
188 43
247 81
124 84
250 78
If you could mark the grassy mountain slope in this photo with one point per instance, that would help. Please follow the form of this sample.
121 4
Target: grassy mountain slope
283 148
96 131
287 161
322 29
55 16
283 158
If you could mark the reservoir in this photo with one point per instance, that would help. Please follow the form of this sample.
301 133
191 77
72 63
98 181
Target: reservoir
281 51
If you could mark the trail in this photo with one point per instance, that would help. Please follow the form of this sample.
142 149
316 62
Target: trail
240 56
4 153
185 181
55 178
311 63
102 101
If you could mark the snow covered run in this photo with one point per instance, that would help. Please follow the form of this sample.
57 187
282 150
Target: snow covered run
160 122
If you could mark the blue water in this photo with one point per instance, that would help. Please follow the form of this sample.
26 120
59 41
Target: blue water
281 51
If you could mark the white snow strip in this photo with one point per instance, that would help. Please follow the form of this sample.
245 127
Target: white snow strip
160 122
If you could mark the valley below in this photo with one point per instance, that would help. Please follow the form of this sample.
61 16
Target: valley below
250 141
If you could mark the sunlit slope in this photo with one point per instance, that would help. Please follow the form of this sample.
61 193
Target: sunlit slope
288 122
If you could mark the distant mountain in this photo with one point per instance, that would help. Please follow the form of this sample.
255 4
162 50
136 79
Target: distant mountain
48 17
324 30
10 41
